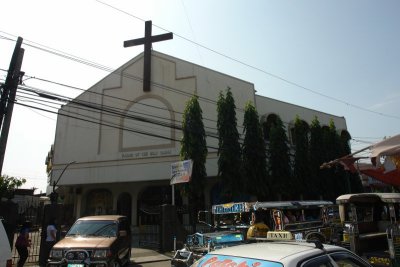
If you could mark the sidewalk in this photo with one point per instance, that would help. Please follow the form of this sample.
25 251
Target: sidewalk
143 255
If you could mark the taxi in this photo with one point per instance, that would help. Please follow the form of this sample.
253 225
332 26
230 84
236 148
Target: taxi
283 251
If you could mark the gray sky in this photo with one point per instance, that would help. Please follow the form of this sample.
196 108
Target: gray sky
339 57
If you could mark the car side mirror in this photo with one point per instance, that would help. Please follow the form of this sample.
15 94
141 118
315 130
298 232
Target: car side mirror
123 233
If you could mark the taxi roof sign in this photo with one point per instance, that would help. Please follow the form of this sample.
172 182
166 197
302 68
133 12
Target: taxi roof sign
279 235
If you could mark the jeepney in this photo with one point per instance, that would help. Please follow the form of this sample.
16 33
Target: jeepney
226 230
311 220
370 226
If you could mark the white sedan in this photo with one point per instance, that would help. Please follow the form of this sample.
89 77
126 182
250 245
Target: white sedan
282 253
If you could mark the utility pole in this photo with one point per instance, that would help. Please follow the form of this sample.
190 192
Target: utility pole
8 93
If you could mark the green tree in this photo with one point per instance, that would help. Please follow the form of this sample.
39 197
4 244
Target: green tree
229 151
254 155
301 169
279 161
336 175
194 147
316 154
8 184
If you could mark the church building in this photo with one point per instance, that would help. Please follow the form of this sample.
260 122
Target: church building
115 143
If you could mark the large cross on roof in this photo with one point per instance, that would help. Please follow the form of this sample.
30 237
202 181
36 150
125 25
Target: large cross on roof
147 40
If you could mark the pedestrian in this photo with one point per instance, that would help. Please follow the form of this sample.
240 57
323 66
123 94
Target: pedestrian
22 243
51 237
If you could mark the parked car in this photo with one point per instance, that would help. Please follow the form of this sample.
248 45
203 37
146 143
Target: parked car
5 250
94 241
282 254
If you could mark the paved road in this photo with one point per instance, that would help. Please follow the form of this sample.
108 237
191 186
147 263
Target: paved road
142 257
151 264
148 257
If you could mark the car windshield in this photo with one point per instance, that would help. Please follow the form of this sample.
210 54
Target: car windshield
93 228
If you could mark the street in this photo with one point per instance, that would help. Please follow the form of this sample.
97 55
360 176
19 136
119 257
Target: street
153 264
149 257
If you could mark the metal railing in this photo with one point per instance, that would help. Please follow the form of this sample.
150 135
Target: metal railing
35 236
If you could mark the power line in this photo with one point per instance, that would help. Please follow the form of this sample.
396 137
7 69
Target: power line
108 124
70 100
121 113
88 106
113 109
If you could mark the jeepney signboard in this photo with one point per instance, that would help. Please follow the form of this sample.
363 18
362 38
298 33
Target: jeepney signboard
231 208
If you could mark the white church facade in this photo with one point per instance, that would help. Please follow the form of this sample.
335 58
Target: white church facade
114 143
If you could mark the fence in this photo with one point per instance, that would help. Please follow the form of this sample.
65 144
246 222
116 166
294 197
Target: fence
35 236
149 236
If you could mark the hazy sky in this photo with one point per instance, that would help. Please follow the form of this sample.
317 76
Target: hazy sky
338 57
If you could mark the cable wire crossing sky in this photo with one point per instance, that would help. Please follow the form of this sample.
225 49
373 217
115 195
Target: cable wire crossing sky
338 57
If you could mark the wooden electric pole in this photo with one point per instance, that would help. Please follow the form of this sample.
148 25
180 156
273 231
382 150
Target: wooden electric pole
8 93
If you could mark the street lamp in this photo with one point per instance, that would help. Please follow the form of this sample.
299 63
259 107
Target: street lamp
54 195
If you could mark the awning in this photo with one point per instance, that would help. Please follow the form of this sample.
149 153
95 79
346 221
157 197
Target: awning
384 157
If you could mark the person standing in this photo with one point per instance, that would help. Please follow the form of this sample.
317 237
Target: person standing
51 237
22 244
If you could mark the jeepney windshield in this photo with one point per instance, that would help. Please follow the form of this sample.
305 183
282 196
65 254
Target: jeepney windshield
368 207
367 212
231 214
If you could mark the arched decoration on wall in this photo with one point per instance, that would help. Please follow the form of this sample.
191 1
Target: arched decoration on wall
267 123
146 116
124 205
149 201
99 202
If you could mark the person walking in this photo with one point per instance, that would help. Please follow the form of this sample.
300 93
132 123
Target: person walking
51 237
22 243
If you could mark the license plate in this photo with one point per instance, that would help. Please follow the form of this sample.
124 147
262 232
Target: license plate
75 265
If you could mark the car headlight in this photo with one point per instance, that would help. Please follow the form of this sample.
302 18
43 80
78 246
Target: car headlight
102 253
56 253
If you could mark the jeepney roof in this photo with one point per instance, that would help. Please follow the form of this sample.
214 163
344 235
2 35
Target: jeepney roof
369 197
292 204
